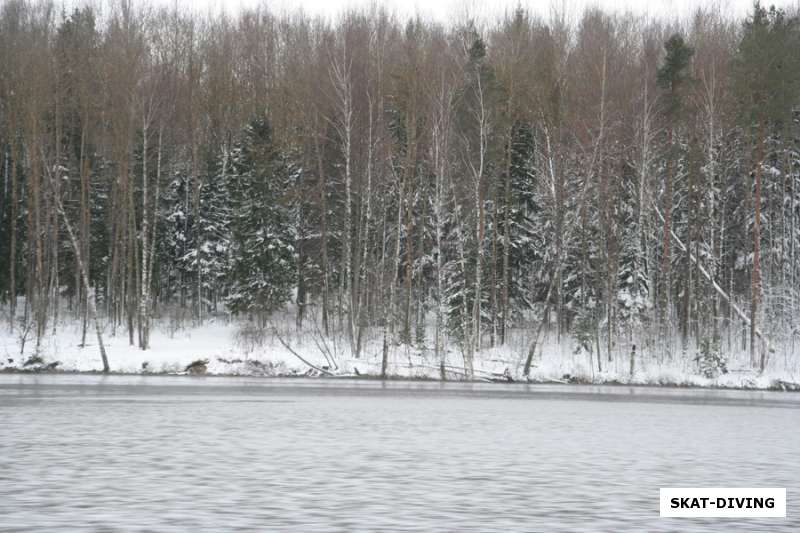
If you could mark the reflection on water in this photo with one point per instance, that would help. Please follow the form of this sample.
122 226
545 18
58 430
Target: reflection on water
156 453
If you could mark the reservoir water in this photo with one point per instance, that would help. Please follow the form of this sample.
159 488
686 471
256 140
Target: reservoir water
160 453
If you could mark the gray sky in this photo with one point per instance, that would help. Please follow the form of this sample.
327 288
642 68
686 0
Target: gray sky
446 10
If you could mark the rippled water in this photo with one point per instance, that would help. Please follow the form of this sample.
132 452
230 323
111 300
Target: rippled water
160 453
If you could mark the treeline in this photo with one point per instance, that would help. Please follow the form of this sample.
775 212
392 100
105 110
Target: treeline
610 181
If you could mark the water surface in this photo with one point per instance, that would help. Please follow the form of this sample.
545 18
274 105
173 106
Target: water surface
158 453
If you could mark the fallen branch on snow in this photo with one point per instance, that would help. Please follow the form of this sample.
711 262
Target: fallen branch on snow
286 345
716 286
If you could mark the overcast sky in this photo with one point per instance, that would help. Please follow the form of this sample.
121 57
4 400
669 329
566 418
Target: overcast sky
445 10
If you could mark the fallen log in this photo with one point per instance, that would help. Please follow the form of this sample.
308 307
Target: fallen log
286 345
714 284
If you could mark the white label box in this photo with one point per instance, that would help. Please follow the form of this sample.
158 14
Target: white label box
723 502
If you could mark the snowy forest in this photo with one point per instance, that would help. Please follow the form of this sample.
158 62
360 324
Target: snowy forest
606 193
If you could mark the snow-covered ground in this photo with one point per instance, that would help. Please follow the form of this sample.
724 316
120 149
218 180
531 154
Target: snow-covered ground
239 348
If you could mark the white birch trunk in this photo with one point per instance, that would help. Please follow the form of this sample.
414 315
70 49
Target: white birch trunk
90 296
144 299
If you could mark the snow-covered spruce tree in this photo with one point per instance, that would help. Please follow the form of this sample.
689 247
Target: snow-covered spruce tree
584 286
457 292
177 227
213 230
710 360
632 280
673 77
684 225
11 208
528 276
424 262
196 241
532 264
791 254
261 271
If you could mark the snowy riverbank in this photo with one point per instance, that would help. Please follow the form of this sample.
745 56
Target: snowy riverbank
234 349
